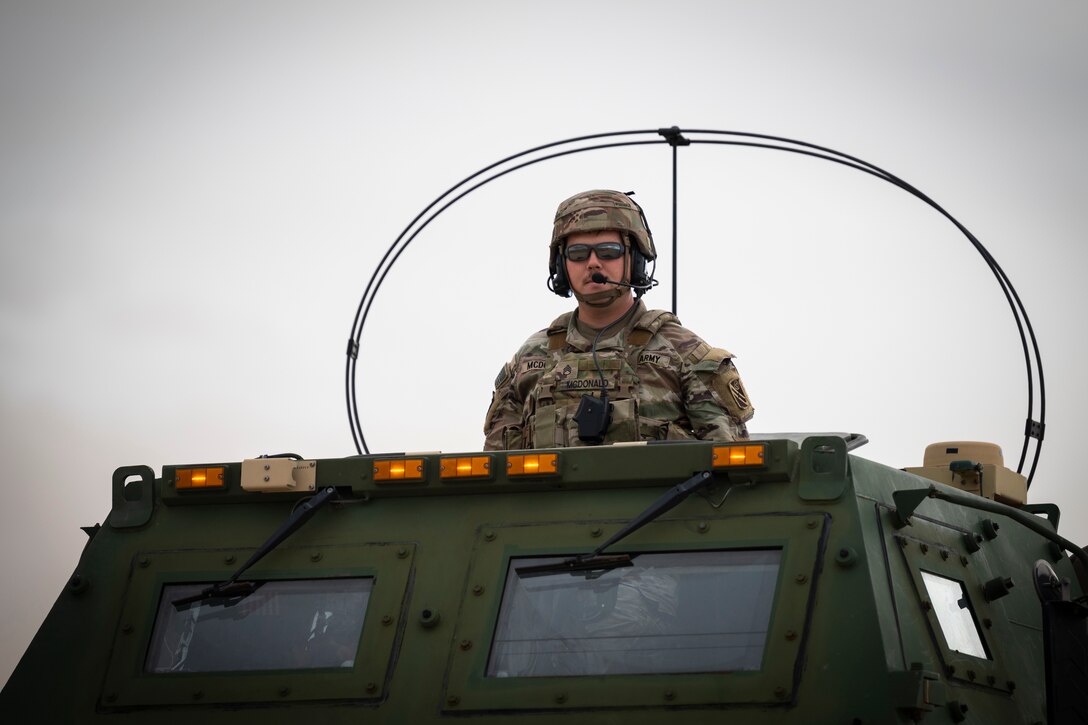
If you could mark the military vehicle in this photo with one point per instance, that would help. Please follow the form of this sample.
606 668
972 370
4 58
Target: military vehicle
781 579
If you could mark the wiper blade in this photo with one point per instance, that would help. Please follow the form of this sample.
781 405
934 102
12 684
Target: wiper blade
232 588
586 564
225 594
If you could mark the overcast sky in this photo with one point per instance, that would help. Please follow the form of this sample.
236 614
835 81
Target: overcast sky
193 195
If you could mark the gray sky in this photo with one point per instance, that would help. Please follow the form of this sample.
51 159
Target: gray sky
193 195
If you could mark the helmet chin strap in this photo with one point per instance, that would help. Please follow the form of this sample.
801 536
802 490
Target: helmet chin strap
600 299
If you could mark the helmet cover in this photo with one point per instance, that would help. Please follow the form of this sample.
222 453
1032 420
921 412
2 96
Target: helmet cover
602 210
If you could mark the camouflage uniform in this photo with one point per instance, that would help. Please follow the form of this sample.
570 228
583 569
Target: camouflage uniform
663 381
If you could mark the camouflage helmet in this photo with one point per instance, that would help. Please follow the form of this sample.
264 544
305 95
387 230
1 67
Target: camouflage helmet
602 210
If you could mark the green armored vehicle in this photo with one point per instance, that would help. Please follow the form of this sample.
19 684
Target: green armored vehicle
773 581
781 579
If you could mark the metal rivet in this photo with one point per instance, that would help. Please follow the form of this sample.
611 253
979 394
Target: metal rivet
670 695
453 700
77 584
800 578
466 644
780 692
229 559
489 536
791 635
144 562
371 687
926 605
284 691
126 629
951 669
312 464
963 560
702 526
812 524
971 675
266 478
987 622
924 548
560 697
402 552
477 589
316 556
387 620
596 532
944 553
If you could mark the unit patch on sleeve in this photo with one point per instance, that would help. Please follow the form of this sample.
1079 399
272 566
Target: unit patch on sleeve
740 397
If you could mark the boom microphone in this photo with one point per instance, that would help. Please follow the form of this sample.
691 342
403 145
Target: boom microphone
601 279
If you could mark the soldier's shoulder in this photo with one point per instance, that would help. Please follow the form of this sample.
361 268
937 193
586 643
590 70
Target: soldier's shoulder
667 328
538 341
684 341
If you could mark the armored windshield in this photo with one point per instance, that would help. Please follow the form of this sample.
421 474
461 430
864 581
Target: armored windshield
301 624
700 611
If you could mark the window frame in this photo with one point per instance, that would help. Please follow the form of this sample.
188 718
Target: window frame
128 685
801 537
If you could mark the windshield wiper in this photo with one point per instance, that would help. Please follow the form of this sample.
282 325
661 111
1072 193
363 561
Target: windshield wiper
232 591
593 564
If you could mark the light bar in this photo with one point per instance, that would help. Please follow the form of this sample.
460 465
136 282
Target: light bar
465 467
533 464
399 469
190 478
739 455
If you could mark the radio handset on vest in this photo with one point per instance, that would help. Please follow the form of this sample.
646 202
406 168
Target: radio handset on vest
593 416
601 279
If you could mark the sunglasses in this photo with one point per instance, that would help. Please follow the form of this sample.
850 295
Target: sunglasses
604 250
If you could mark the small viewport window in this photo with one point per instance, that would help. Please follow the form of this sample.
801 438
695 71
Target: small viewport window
297 624
955 615
698 611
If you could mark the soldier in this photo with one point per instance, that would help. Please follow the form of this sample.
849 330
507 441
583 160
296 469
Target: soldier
612 370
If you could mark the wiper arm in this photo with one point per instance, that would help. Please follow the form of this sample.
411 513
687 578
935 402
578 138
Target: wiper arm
588 564
233 591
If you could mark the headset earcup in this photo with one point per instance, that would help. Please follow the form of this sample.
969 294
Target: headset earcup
638 268
558 282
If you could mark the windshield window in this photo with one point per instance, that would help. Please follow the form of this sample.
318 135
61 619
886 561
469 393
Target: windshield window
300 624
700 611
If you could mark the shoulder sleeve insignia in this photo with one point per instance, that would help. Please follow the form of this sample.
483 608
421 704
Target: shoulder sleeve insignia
737 392
503 376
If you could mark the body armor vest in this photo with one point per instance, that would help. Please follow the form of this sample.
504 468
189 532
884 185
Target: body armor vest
570 373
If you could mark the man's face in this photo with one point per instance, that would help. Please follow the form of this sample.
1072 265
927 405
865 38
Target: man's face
580 274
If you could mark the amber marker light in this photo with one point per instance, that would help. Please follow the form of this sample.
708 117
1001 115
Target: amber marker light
533 464
399 469
739 455
465 467
190 478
